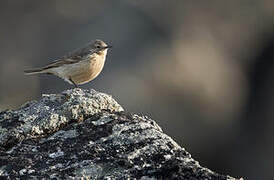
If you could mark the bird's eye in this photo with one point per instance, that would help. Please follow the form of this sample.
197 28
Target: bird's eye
98 47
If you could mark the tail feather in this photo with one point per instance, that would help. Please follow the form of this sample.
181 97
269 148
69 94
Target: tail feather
34 71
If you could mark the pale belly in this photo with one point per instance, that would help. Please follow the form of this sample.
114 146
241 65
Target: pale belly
81 72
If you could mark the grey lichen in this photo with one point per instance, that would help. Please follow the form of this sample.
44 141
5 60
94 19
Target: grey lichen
53 111
86 134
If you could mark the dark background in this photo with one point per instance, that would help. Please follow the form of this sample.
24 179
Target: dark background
202 69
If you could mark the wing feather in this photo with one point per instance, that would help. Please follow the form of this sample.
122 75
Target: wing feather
72 57
61 62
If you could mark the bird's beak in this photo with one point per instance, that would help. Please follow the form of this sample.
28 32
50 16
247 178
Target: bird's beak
107 47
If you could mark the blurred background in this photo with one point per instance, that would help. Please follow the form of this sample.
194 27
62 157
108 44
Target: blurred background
204 70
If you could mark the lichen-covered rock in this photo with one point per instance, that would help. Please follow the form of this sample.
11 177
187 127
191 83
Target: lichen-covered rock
51 113
86 134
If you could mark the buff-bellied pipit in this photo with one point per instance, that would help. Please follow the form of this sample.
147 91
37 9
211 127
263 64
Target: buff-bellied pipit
79 66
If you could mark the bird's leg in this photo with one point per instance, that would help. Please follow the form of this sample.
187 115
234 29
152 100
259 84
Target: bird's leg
75 85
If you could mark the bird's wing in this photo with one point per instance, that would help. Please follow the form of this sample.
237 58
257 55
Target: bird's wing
72 57
79 53
61 62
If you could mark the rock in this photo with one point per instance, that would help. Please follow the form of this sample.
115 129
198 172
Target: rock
86 134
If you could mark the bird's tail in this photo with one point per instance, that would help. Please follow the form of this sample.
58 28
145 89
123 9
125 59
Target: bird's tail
34 71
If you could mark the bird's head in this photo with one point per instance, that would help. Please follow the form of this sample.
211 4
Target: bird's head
100 47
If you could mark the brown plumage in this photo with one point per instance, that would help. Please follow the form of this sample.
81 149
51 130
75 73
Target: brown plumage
79 66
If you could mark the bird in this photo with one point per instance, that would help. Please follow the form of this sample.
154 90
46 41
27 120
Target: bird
79 66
